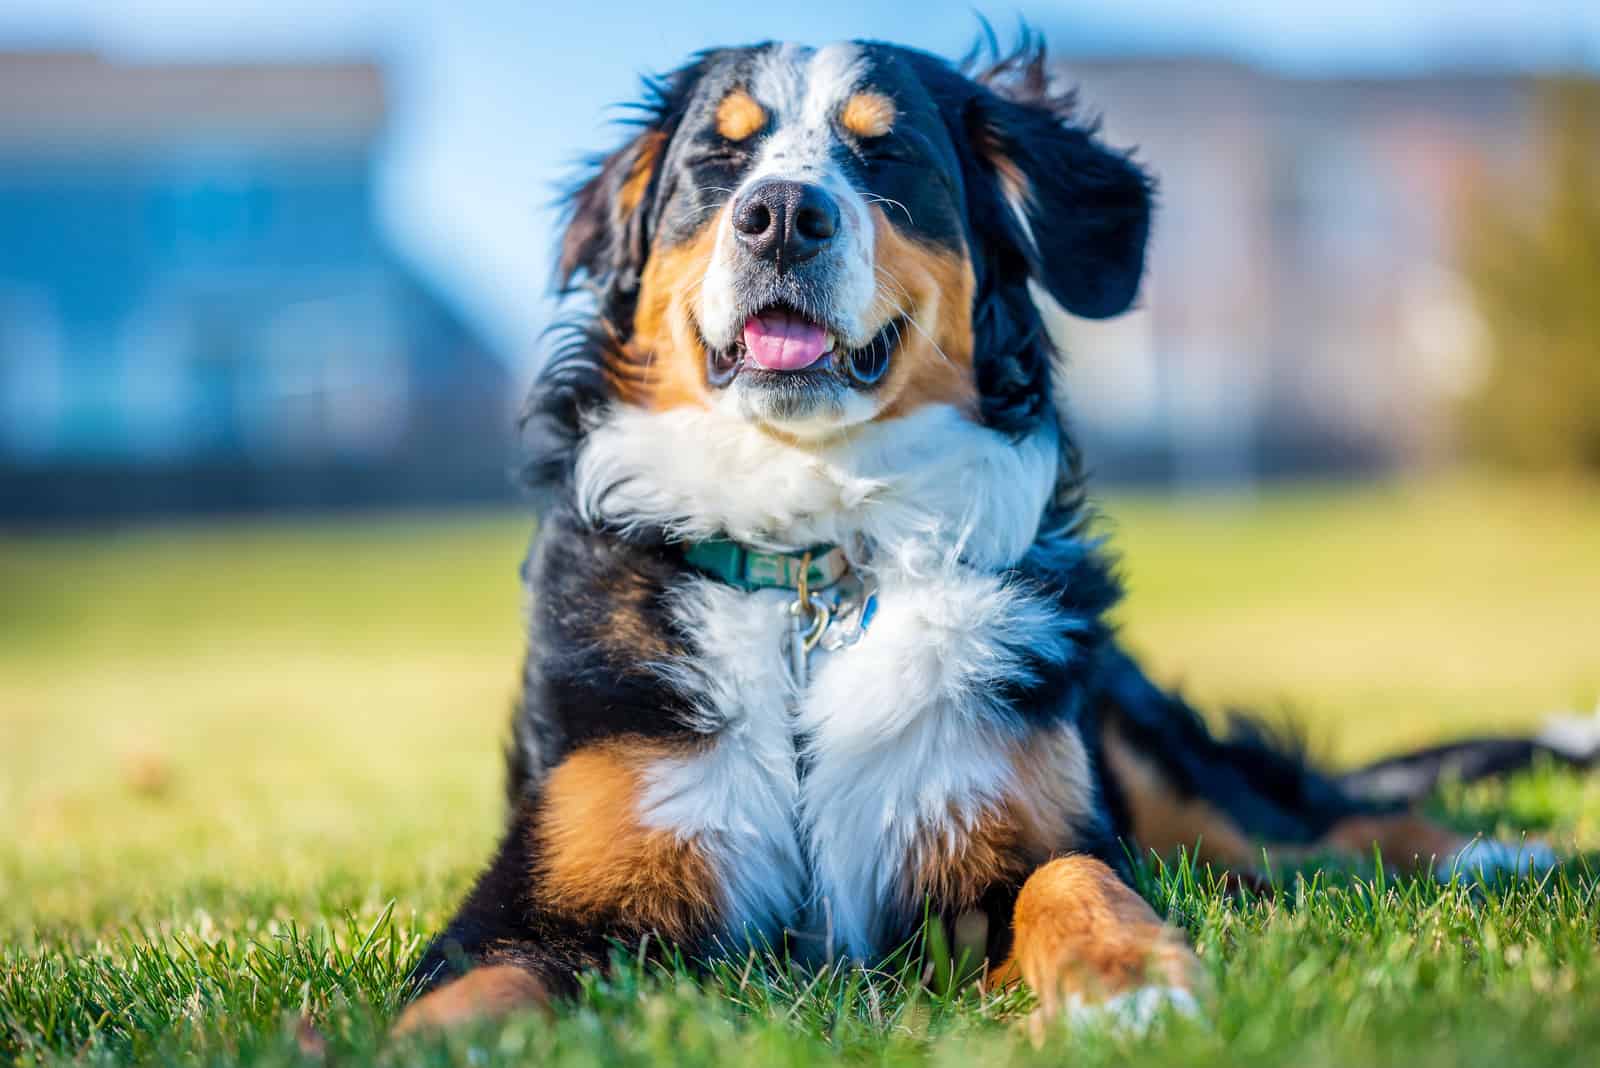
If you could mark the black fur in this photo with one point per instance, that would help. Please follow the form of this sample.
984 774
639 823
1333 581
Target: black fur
582 679
498 923
604 245
1261 780
1089 214
1089 206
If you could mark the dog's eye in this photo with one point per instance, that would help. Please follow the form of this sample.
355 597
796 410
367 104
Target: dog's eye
888 149
721 153
740 145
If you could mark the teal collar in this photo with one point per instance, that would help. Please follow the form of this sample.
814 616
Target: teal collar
757 569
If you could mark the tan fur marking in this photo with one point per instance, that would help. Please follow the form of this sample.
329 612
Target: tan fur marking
868 114
492 990
663 363
933 364
1163 821
1079 930
1406 841
1050 799
739 116
600 866
629 630
1013 180
640 173
955 870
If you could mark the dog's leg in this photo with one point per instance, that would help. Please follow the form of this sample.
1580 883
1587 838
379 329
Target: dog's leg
1412 843
1234 798
1090 948
577 867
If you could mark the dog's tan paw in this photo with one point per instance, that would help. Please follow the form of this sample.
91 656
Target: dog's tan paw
483 993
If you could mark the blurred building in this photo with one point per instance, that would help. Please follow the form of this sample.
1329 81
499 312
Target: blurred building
1302 313
198 310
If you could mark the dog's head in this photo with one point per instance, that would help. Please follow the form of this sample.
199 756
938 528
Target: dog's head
812 239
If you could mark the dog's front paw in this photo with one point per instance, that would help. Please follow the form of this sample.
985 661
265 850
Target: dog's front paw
1487 859
1132 1013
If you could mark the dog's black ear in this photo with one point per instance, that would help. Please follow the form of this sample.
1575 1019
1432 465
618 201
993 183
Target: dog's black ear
607 236
611 210
1079 212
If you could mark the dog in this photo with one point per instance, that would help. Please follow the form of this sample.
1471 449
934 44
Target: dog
817 639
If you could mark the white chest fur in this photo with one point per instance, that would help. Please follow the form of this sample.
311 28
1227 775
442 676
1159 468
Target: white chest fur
898 734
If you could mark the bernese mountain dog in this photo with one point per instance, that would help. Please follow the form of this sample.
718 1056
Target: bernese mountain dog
817 638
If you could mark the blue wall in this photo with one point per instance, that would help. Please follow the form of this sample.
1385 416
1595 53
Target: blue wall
223 304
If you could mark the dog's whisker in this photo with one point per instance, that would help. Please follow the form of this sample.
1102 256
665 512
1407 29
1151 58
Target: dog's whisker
883 297
892 280
936 346
873 198
908 317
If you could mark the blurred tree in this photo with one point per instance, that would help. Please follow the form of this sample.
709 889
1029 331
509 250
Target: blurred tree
1531 255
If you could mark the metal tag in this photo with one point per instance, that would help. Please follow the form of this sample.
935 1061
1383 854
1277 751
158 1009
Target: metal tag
850 621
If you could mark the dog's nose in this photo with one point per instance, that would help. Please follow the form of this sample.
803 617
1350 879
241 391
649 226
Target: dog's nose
786 222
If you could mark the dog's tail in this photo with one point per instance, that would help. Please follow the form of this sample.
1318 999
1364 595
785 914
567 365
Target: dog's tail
1408 777
1263 779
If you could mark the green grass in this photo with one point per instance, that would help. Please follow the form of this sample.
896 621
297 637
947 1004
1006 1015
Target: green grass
246 770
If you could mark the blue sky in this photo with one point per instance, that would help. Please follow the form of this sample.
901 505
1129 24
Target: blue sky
495 99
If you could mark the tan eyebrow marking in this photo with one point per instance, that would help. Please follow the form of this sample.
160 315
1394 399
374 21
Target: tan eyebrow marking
739 116
868 114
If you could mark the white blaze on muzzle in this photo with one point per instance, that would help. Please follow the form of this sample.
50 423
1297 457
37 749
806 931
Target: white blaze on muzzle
802 90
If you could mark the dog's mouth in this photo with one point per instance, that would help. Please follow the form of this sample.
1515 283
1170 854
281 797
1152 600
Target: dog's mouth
780 343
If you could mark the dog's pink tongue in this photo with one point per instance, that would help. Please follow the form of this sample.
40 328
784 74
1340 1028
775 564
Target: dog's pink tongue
783 341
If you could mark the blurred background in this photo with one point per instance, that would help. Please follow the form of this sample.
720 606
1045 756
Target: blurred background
258 256
272 282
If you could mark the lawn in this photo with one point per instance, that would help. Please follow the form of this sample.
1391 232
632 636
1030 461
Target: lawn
247 768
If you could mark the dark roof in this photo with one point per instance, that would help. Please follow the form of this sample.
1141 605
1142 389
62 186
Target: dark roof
80 99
